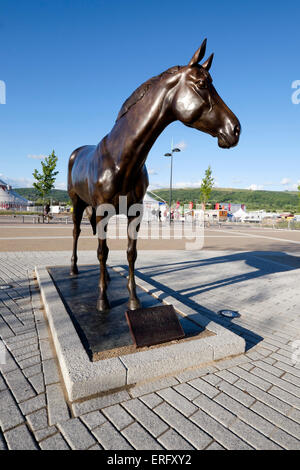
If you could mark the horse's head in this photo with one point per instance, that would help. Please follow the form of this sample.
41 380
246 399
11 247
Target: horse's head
197 104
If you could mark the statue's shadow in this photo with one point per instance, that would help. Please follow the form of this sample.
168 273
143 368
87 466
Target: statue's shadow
170 278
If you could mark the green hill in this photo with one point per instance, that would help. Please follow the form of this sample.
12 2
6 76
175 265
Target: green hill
254 200
57 195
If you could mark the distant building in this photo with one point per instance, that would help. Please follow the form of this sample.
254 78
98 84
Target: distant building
10 200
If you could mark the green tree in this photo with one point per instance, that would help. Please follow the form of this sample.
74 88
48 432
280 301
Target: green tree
206 186
46 179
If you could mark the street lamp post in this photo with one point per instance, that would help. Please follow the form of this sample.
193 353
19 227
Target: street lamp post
171 176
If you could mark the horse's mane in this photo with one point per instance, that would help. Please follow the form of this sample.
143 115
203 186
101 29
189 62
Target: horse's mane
140 92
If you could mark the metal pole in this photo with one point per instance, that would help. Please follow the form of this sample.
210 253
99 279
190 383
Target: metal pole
170 196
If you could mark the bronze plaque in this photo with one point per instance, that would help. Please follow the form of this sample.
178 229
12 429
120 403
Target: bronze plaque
154 325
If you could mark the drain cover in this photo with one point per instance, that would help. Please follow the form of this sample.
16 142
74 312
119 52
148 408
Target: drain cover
5 286
229 313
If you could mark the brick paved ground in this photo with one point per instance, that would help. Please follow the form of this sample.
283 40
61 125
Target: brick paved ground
251 401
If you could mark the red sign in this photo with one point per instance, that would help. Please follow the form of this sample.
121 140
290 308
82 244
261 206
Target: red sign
177 204
191 205
217 205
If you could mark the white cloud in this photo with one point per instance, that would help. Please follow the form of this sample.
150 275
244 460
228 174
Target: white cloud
37 157
18 182
285 181
181 145
152 172
255 187
61 185
188 184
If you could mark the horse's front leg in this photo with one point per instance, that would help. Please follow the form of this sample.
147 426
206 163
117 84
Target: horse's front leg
102 303
131 257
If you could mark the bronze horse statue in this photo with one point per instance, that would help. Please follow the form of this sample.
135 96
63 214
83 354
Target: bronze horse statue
99 174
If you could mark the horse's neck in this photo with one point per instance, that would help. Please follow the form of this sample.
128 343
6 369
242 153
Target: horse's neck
135 133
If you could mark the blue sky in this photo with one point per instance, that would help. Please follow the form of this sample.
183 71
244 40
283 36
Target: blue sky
68 66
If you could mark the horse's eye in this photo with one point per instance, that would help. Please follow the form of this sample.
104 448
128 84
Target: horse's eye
201 84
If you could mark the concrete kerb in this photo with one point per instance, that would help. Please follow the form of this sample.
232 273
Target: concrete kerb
83 378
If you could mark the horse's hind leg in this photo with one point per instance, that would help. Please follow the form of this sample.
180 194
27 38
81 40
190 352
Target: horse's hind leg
102 303
78 208
133 229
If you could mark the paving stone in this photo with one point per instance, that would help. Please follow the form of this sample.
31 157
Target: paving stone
10 414
250 378
148 387
145 416
42 434
277 418
38 420
50 371
31 361
29 351
190 374
3 445
187 391
285 396
287 368
118 416
99 402
212 379
55 442
178 401
264 397
19 438
46 349
37 382
76 434
250 435
294 414
276 381
2 384
33 404
204 387
32 370
95 447
244 413
140 439
93 420
151 400
291 379
218 432
214 446
285 440
171 440
110 438
228 376
10 364
215 410
192 433
236 393
269 368
57 408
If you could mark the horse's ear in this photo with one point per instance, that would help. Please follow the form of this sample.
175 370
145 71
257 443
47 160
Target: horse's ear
199 54
207 64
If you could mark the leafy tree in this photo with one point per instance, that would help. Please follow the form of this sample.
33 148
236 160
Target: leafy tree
206 186
46 179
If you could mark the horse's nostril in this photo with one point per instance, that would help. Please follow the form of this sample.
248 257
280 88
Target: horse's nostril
237 130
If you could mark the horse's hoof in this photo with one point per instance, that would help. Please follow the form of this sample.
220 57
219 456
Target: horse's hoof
134 304
74 271
103 305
